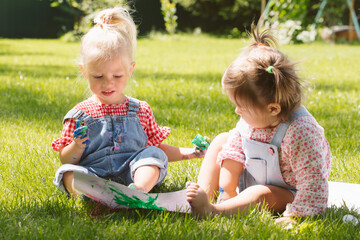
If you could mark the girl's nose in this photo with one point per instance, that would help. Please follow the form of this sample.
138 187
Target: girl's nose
108 81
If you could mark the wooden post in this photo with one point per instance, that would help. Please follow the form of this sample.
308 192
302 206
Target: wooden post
263 3
351 23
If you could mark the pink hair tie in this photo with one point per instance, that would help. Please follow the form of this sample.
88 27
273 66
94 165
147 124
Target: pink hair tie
107 19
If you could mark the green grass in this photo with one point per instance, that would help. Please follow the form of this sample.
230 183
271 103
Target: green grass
180 78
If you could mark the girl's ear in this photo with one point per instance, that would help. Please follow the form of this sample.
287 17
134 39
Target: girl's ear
131 68
274 109
82 70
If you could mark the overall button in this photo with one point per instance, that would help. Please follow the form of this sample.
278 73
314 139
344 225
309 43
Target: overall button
118 120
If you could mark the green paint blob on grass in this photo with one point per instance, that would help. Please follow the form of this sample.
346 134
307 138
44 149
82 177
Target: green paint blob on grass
133 202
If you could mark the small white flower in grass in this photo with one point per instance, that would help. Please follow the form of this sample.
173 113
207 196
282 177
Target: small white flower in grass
348 218
289 226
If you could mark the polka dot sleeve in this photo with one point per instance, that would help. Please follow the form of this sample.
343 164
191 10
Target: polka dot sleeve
232 149
308 153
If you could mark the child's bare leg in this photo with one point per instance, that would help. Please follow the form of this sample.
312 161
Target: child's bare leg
276 199
145 177
208 178
229 177
68 180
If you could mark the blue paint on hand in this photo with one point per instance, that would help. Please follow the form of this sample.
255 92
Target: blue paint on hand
87 142
80 132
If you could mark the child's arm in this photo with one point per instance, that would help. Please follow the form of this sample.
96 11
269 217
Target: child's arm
177 153
309 159
72 152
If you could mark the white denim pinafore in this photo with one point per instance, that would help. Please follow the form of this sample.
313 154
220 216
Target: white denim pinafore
262 159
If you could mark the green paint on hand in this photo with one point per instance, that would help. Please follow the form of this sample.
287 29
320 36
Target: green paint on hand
83 129
133 202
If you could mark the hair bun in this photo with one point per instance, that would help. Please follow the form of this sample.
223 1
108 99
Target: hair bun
262 38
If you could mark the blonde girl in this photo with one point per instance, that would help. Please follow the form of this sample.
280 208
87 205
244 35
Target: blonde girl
277 154
112 135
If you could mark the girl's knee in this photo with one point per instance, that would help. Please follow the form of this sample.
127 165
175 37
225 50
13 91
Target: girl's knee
219 140
222 137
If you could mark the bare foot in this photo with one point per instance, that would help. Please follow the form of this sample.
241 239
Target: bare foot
198 200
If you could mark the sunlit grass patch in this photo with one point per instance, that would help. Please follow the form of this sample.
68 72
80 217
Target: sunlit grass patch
180 78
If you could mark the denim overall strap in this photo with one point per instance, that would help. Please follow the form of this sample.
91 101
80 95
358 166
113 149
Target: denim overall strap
78 115
73 113
281 131
133 106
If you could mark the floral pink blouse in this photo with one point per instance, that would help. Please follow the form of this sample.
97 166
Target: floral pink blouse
304 159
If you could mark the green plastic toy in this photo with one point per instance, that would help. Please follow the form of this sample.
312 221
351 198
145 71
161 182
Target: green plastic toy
201 143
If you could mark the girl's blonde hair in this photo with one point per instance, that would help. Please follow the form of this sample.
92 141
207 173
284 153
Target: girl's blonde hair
113 35
262 75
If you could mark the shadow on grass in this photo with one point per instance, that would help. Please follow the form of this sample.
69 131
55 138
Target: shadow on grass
29 103
39 71
32 105
206 77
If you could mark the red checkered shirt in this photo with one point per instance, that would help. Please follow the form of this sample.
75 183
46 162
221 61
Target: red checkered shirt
154 132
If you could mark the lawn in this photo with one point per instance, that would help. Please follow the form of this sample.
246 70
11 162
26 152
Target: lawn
180 78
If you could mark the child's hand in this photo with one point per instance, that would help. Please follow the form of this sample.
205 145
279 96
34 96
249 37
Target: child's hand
199 153
201 145
80 137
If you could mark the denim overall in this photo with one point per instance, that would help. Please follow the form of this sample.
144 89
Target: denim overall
116 149
262 159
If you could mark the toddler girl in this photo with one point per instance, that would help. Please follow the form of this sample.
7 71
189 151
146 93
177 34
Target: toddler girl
277 154
111 135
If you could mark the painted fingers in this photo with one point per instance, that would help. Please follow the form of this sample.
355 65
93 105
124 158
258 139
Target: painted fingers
80 135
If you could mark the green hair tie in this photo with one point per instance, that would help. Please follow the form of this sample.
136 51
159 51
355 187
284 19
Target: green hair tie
269 69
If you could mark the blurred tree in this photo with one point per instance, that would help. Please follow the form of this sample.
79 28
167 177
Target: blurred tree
33 19
88 9
295 18
219 15
217 9
168 10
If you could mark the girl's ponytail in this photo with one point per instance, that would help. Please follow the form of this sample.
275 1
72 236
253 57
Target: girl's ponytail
263 38
287 87
114 34
263 75
118 19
